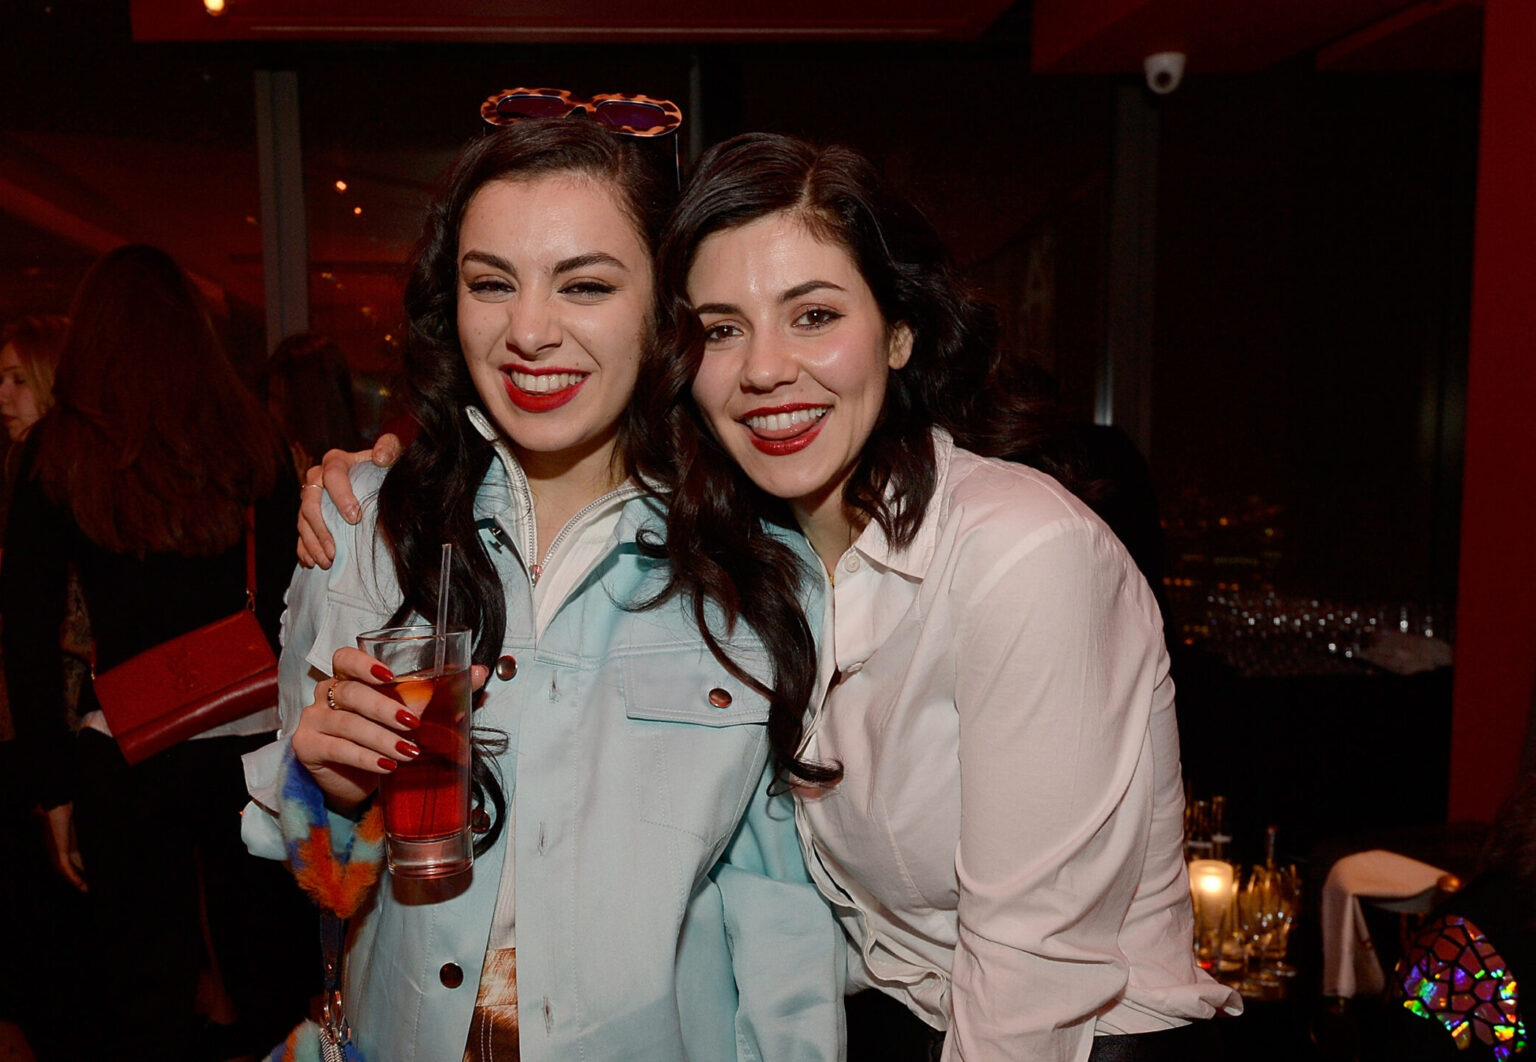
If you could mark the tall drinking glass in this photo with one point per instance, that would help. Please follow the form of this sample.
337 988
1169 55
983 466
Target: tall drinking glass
426 800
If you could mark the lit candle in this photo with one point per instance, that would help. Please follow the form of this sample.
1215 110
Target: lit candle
1210 885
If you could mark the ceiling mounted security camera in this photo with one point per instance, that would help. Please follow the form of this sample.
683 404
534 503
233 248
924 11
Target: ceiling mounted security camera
1164 71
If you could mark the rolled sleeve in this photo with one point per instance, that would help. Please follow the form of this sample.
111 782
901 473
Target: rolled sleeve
305 604
258 822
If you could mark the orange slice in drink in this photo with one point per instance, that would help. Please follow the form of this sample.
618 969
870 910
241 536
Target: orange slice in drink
415 693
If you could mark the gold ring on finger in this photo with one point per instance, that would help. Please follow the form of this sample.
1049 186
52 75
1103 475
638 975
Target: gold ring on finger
330 695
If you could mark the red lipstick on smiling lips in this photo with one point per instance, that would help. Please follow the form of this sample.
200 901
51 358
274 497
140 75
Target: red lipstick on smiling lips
777 440
540 401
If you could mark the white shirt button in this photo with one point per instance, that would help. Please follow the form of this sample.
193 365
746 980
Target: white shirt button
851 562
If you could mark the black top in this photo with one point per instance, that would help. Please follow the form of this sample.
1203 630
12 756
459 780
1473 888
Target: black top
135 602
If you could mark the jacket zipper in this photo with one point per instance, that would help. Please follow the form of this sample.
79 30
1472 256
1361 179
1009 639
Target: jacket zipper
524 494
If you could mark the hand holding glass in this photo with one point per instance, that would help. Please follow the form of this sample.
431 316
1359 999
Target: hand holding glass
426 801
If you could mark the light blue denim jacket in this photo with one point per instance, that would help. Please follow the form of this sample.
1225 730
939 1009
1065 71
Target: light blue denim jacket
663 908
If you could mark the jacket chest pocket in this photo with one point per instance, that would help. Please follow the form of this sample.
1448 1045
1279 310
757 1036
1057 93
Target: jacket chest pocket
686 684
702 732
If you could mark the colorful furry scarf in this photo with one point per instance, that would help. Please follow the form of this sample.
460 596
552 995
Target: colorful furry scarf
337 880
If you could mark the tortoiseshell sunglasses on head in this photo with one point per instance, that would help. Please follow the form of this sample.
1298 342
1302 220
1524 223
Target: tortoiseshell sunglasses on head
622 113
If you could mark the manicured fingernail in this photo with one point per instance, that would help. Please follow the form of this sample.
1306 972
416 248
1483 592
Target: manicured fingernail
406 748
382 673
387 763
353 513
407 719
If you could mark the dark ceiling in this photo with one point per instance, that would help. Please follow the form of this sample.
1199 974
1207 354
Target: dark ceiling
134 119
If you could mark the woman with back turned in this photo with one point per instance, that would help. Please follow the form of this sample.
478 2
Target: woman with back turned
141 478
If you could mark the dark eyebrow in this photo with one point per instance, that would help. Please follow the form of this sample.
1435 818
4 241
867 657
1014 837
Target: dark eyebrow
791 295
805 289
584 261
495 261
568 265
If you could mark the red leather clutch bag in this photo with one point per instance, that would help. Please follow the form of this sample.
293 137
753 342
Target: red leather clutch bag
196 681
192 683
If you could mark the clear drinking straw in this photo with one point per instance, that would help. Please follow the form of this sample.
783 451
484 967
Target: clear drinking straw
440 639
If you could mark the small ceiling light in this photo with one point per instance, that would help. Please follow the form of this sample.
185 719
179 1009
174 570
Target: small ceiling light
341 186
357 210
214 7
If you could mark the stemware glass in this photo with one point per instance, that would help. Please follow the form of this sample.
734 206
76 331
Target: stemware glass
1258 915
1286 885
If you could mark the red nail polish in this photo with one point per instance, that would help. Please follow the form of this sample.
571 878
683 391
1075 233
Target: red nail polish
382 673
407 748
407 719
387 763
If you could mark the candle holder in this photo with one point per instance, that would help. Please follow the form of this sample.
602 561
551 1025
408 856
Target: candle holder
1210 886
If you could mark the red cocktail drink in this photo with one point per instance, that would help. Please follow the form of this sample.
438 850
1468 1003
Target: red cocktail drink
426 799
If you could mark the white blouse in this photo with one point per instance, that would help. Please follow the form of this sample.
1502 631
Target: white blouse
1006 846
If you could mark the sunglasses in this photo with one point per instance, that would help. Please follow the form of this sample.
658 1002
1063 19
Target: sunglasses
630 115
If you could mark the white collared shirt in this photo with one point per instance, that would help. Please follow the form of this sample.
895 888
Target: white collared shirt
1005 847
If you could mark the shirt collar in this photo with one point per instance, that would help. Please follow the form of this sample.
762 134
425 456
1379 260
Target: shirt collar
915 559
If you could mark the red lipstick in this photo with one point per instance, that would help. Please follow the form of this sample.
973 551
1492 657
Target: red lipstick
544 401
780 442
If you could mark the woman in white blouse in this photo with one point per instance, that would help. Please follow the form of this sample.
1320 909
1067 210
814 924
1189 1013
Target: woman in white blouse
1004 845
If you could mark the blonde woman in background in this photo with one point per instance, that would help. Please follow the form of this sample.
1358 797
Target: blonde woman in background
29 353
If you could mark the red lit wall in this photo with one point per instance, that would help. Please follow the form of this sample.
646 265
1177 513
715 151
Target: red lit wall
1496 621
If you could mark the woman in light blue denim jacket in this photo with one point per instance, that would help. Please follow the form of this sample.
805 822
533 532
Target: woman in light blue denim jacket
639 893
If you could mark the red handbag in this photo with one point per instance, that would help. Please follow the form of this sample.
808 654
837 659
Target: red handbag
196 681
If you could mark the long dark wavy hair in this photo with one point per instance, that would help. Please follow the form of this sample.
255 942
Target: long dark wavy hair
428 497
154 444
308 388
950 380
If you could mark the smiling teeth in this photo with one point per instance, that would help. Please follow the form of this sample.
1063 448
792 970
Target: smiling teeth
783 421
544 383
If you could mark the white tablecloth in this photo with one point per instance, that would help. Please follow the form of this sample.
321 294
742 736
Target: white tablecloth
1385 879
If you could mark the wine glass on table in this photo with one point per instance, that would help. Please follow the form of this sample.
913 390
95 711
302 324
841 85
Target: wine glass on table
1285 883
1257 919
